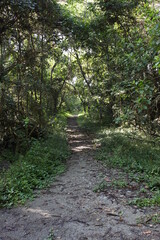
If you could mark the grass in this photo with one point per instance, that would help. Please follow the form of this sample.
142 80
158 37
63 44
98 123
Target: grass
103 186
35 170
151 219
137 155
88 125
141 160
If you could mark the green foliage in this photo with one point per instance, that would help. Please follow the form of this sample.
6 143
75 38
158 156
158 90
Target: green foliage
154 218
73 104
33 69
87 124
120 183
106 53
51 235
8 156
35 170
137 156
103 186
147 202
58 123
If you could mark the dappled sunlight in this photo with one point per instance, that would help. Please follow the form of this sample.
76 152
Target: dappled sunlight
125 131
76 136
78 141
82 148
72 131
79 119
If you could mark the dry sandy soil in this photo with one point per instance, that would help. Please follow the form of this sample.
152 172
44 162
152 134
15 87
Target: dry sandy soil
71 210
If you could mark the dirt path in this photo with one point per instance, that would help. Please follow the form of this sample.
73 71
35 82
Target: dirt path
71 209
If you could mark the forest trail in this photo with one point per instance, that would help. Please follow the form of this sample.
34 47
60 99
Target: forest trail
71 210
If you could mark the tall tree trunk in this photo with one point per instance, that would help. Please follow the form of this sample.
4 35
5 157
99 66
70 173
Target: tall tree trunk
42 78
19 72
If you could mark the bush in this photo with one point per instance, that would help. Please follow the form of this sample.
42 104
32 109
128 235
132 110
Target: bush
119 150
87 124
35 170
140 158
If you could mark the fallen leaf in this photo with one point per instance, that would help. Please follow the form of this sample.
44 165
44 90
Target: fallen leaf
147 232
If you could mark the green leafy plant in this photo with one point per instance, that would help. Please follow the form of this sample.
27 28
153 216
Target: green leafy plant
35 170
147 202
155 219
101 187
51 235
139 158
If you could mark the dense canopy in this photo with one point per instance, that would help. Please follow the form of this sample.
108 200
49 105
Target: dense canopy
102 56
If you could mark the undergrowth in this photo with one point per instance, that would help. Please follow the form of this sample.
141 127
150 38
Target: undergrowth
87 124
138 156
34 170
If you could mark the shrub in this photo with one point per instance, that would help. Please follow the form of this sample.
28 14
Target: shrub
35 170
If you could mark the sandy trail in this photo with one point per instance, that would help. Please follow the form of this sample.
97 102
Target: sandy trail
70 208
